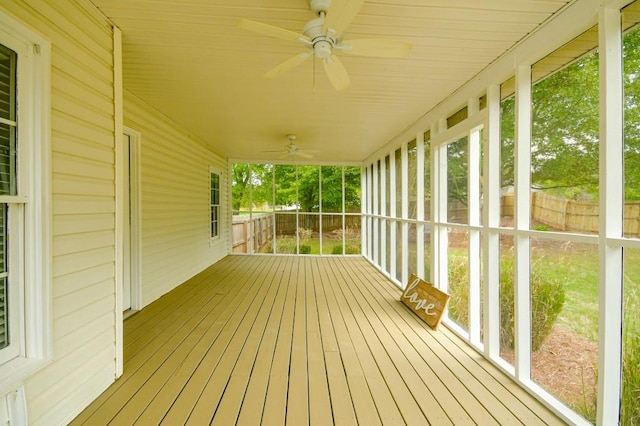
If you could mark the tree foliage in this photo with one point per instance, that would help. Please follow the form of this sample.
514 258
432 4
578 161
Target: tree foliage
295 186
565 138
257 178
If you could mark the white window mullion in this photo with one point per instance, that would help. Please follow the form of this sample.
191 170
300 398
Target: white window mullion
274 249
522 208
376 203
611 221
474 236
404 161
420 204
393 214
491 220
439 204
369 211
383 222
320 230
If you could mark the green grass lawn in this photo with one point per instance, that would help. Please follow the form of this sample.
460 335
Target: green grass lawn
577 267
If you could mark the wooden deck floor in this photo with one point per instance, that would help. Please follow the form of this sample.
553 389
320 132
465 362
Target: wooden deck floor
297 341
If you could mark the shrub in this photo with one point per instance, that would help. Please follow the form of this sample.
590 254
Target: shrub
352 249
546 303
459 290
349 249
629 406
305 249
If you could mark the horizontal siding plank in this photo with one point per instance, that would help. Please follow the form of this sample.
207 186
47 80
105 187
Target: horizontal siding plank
79 223
75 204
68 244
67 264
78 166
75 185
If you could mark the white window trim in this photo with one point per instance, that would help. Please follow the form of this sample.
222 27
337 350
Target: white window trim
220 176
34 126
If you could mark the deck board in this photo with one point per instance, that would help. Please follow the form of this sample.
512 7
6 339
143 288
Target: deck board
301 340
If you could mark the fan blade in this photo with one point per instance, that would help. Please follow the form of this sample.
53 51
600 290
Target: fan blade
288 64
270 30
376 48
336 72
340 14
303 155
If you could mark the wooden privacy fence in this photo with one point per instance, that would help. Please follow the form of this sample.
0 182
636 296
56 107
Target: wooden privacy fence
242 226
261 225
286 222
573 215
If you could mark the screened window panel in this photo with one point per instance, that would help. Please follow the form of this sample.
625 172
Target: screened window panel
8 181
8 125
215 205
4 284
4 335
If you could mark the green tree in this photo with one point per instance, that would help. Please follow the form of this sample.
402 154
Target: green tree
240 179
257 178
565 132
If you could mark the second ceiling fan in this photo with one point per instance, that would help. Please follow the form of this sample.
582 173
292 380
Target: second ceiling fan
323 38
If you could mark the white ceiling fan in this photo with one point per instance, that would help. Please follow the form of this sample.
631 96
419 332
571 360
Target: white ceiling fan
323 38
293 150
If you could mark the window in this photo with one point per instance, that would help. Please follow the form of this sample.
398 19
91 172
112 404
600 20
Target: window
8 132
25 322
215 203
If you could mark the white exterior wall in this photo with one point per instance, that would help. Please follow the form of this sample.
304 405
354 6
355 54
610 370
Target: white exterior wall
175 206
83 207
175 201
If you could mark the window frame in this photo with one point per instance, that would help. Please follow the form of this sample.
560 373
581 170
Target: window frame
216 237
30 211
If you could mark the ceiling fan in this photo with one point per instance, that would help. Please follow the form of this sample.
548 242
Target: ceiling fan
293 150
323 38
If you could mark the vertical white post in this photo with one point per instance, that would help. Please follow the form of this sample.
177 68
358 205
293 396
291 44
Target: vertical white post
376 203
611 219
404 275
491 221
363 212
440 204
369 212
473 185
320 230
420 205
383 221
522 214
393 213
120 191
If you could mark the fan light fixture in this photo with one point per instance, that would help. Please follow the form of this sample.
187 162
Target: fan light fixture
322 37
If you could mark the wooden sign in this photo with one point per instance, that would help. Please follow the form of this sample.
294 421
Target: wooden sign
425 300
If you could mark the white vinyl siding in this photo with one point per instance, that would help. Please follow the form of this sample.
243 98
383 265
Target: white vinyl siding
175 199
83 206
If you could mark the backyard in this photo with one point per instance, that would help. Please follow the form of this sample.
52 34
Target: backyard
565 361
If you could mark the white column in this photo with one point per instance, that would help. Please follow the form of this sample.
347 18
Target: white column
522 213
405 213
491 220
420 205
611 219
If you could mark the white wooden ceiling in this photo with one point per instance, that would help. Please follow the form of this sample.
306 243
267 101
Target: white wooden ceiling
189 60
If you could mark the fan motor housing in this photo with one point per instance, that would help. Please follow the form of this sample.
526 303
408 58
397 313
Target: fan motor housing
318 6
